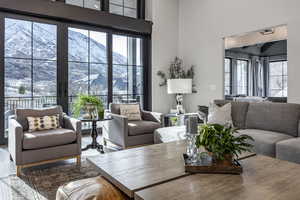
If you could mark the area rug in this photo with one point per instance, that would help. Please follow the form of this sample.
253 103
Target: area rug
42 184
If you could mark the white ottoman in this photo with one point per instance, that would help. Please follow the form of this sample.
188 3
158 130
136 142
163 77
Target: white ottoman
169 134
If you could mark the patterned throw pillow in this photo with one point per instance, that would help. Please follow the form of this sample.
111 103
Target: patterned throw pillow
132 112
43 123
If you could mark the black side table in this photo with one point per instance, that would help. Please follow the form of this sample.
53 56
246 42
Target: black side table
94 134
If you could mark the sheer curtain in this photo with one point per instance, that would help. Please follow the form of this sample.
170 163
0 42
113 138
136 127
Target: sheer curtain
257 77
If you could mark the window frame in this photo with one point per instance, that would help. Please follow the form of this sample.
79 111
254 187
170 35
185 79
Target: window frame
134 66
105 7
32 59
282 77
230 76
62 59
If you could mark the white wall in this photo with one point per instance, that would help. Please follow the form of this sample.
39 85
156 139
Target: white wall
204 23
165 18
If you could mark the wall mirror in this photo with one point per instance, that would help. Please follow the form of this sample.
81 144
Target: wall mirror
255 66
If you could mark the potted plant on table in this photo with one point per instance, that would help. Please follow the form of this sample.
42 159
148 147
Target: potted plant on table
222 144
91 105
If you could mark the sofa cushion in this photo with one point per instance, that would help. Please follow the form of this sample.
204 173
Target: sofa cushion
22 114
238 112
289 150
265 141
142 127
278 117
48 138
115 107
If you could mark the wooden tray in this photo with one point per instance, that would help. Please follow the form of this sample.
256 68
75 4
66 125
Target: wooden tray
212 168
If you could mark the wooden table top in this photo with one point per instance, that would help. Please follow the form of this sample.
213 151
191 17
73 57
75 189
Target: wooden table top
135 169
263 178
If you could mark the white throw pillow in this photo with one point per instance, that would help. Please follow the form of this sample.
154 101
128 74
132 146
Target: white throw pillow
220 115
131 111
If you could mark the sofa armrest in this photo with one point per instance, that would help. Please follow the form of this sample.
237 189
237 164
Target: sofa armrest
153 116
72 123
116 130
75 125
15 140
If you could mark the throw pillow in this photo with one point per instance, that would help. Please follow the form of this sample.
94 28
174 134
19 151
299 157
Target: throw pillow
220 115
131 111
43 123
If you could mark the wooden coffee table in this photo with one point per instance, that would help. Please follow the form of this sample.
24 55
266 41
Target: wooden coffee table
263 178
136 169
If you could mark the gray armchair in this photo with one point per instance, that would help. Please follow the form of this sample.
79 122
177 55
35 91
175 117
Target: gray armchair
124 133
41 147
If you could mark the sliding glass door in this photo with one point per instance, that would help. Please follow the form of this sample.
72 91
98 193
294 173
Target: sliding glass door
87 61
30 65
127 70
45 63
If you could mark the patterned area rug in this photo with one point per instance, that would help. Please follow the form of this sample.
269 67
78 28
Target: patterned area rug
42 184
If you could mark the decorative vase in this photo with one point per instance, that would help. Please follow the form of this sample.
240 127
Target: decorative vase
90 108
101 114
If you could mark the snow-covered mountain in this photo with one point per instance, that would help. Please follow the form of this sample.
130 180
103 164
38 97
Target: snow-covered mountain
22 35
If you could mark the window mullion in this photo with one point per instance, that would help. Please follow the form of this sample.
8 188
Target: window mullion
89 67
32 64
109 43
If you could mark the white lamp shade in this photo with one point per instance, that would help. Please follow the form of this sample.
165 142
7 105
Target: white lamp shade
180 86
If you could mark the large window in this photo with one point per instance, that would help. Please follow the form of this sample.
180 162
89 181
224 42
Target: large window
123 7
242 77
127 69
227 73
30 65
46 63
278 79
128 8
92 4
87 64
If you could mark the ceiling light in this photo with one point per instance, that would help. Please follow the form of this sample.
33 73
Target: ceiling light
268 31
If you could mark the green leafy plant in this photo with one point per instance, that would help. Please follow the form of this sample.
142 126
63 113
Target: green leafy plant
81 102
176 71
22 89
174 120
221 141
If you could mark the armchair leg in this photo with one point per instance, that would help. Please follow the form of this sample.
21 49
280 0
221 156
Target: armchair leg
19 168
78 160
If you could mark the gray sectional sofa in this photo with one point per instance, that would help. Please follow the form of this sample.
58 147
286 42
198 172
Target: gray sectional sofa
274 126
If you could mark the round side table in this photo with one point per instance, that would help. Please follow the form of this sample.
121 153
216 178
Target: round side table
94 134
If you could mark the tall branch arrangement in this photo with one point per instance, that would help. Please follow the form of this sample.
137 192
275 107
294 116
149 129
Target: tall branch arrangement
176 71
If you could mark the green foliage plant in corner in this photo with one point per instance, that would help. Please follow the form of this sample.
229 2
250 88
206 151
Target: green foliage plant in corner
177 71
222 142
83 102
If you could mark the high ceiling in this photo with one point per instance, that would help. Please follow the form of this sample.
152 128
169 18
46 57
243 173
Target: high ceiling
257 37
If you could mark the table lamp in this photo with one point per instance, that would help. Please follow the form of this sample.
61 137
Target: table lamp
179 87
